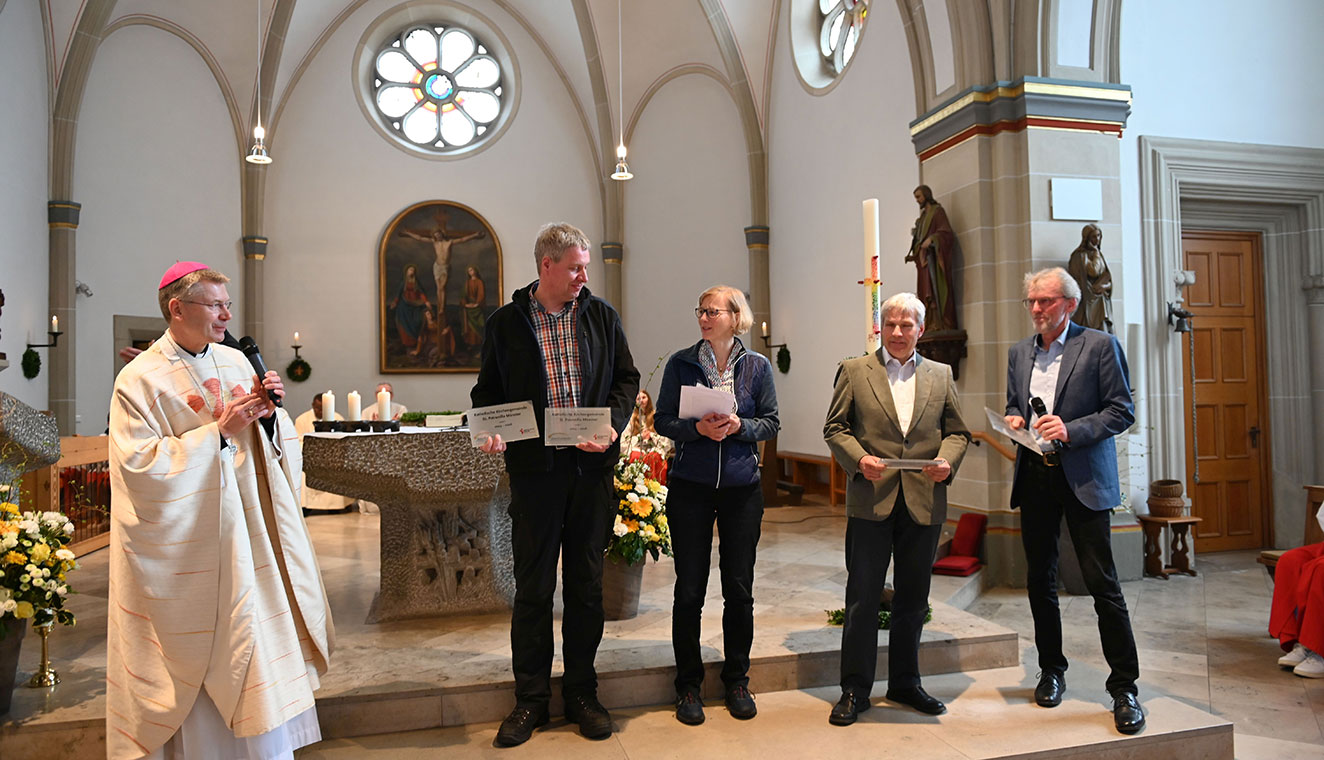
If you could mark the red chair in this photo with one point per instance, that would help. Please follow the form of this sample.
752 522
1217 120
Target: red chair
963 558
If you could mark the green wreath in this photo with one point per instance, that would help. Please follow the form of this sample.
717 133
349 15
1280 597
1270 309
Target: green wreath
31 364
298 371
784 359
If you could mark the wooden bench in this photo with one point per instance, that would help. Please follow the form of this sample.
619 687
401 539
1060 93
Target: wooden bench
804 474
1314 533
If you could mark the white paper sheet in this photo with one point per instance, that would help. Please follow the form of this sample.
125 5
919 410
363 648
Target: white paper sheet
1023 436
699 401
574 425
513 422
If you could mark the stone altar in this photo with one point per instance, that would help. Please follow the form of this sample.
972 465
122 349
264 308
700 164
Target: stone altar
445 531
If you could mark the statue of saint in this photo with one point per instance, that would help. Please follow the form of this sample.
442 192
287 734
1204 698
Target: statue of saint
931 248
1096 282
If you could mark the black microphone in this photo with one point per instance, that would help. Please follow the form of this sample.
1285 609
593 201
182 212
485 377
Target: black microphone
249 347
1050 457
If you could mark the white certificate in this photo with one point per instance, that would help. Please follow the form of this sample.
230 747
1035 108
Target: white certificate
699 401
1022 436
909 464
513 422
573 425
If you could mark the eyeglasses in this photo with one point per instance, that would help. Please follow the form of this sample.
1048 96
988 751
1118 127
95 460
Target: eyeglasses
711 313
1042 303
216 306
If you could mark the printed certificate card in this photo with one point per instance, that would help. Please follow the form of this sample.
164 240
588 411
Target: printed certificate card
513 422
909 464
699 401
570 426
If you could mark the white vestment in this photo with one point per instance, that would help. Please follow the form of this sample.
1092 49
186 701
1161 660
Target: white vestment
213 579
313 498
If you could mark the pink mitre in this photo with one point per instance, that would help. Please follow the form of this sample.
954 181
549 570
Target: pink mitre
180 269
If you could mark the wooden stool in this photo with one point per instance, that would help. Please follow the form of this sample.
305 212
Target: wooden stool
1181 558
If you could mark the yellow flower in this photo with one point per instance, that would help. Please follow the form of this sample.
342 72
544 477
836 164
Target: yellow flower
23 610
14 558
8 506
631 525
41 552
643 507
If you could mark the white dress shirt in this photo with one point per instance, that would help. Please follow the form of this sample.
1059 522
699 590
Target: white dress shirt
1043 378
901 377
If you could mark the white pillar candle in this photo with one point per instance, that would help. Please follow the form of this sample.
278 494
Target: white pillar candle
296 337
352 411
873 328
55 323
384 405
765 329
328 406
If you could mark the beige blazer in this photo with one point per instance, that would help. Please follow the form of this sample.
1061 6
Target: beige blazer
862 420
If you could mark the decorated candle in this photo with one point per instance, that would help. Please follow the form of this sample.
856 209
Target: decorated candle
874 325
328 406
352 412
383 404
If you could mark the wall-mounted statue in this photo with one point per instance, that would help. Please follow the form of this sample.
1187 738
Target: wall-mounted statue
931 248
1096 282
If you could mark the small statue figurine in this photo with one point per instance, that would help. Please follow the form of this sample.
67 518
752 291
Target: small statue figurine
931 248
1096 282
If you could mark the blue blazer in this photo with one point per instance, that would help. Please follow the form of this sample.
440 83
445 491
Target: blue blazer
1093 399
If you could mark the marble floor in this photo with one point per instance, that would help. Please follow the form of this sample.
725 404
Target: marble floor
1202 644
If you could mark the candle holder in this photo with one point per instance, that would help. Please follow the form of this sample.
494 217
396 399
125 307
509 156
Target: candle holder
329 426
55 339
45 675
385 426
296 348
767 342
783 354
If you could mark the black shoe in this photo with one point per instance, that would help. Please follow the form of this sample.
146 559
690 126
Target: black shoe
848 708
740 703
1128 715
689 708
917 698
593 719
519 724
1049 691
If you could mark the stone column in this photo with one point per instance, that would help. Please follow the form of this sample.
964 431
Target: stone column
612 256
1314 288
756 241
255 255
989 157
60 361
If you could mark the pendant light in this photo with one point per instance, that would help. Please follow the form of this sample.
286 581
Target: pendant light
258 153
622 172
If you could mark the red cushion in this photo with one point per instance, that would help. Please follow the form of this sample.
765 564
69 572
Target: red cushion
953 565
969 530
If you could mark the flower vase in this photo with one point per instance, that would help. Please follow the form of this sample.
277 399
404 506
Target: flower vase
620 589
9 647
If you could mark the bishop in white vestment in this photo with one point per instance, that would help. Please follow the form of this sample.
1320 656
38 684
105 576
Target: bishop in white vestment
218 626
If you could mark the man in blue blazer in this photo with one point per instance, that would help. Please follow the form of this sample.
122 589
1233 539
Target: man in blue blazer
1071 384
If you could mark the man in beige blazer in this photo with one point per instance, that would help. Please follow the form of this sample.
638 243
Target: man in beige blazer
892 404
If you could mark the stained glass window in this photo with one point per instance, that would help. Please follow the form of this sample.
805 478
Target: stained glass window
843 22
438 87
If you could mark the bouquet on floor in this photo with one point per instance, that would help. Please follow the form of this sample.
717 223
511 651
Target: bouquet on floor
34 559
641 511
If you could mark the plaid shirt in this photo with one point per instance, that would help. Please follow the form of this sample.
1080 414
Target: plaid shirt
560 351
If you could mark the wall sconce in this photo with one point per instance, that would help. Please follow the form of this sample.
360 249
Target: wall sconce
54 332
783 353
1179 318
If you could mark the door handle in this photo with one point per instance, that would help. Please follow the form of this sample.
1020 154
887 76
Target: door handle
1254 437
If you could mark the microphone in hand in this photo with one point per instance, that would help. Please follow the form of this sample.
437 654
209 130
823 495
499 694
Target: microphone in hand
250 349
1053 457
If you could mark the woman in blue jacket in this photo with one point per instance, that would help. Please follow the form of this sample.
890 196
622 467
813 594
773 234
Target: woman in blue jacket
715 477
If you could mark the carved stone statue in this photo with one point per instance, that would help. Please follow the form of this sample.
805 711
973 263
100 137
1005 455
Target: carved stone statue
1090 270
931 248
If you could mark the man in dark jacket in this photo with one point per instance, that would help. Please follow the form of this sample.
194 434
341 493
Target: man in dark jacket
556 345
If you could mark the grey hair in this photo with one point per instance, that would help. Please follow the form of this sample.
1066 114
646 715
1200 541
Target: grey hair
555 239
1069 287
906 302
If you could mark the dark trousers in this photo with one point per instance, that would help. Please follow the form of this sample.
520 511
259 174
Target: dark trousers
870 545
1048 499
691 511
564 512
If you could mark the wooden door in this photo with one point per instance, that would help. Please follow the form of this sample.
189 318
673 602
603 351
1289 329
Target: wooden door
1227 476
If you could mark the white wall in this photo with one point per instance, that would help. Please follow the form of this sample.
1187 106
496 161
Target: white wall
336 183
156 168
24 129
685 214
828 153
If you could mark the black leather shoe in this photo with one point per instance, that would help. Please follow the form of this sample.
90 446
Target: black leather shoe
1128 715
519 724
740 703
917 698
689 708
848 708
593 719
1049 691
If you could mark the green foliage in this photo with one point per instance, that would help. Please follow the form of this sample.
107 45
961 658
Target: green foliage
298 371
31 364
838 617
784 359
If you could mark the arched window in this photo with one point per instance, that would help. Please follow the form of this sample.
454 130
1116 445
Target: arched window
843 22
438 87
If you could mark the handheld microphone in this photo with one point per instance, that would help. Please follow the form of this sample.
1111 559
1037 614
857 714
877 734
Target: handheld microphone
249 347
1051 457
